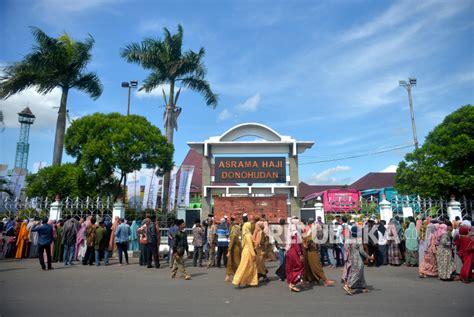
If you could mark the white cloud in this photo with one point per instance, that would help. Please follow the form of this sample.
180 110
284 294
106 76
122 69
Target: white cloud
42 106
249 105
224 115
401 12
298 122
434 117
327 177
395 15
390 46
464 77
157 92
390 169
156 26
72 6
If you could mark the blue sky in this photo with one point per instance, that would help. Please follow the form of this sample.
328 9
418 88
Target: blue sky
325 71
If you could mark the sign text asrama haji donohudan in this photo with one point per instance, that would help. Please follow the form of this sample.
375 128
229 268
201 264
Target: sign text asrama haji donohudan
250 170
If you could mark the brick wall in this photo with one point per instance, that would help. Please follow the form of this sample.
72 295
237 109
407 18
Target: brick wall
274 207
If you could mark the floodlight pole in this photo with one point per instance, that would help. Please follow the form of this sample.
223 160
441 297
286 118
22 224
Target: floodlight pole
128 107
411 83
129 85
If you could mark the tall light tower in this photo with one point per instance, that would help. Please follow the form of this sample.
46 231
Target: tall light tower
26 118
411 83
129 85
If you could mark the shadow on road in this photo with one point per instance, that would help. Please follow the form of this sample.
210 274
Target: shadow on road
12 269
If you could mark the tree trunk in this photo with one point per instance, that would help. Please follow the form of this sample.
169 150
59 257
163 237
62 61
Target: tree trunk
60 129
169 136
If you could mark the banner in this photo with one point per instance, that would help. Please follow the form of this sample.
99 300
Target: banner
407 212
185 178
17 181
148 173
3 170
172 191
133 189
153 185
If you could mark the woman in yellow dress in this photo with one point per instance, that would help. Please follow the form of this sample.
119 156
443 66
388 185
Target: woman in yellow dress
259 239
247 271
22 242
235 250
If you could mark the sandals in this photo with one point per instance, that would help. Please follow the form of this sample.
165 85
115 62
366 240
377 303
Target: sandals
347 289
294 289
328 283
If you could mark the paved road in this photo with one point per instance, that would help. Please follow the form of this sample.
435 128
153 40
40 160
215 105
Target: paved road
134 290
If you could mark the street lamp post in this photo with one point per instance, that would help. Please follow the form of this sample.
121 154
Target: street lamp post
411 82
129 85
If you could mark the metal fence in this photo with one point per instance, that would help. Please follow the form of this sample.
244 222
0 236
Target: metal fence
82 207
419 206
103 207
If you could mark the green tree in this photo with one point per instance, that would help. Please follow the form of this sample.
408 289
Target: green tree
444 165
53 63
104 144
64 180
168 65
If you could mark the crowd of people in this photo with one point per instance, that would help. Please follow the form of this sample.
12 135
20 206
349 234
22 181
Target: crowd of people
439 248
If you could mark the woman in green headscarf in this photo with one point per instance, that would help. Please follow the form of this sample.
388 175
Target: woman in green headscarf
411 245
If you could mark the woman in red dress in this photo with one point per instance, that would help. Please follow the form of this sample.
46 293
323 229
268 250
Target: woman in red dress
294 265
465 247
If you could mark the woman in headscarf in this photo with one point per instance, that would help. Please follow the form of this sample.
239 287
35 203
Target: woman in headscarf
134 236
353 272
294 261
429 265
411 245
419 223
10 239
80 241
444 253
22 241
112 245
259 242
269 254
246 274
81 246
465 250
424 241
382 254
58 246
313 270
234 252
393 241
32 238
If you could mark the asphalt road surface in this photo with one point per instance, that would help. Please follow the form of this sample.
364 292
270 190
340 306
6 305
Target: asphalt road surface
132 290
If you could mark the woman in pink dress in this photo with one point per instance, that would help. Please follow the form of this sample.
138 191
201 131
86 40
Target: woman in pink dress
429 266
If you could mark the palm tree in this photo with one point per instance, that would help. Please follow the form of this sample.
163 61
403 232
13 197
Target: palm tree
168 65
53 63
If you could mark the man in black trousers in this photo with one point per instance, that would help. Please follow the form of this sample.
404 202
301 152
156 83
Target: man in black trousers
153 243
45 237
